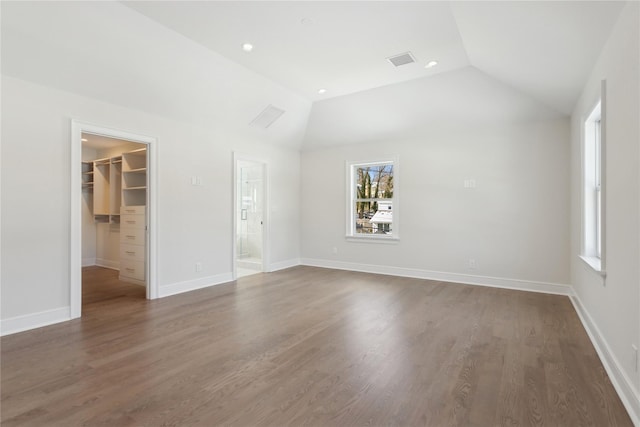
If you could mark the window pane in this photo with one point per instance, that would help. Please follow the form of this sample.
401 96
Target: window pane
598 213
374 217
372 199
374 182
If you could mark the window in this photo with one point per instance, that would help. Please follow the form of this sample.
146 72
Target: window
372 200
592 197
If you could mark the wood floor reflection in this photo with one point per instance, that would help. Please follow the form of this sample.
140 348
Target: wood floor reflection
310 346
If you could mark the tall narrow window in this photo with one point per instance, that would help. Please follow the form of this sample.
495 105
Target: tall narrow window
372 207
592 207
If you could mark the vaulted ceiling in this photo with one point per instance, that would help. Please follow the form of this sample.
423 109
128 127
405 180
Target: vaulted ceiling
544 48
184 59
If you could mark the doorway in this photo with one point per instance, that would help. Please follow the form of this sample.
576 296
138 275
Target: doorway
249 216
113 225
114 218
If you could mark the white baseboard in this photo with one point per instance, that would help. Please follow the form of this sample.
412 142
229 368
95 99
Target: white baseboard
34 320
275 266
107 263
88 262
192 285
620 380
495 282
253 265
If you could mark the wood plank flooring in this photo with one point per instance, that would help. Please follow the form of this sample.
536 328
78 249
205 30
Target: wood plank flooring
309 346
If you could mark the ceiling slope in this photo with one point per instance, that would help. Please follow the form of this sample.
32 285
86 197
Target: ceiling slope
421 108
544 48
340 46
107 51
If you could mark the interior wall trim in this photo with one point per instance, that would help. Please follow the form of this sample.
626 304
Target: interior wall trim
108 263
192 285
620 380
281 265
26 322
75 229
623 385
467 279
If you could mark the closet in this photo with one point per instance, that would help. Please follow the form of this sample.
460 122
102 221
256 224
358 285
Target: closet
114 185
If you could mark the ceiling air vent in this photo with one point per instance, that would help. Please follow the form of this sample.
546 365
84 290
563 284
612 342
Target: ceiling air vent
402 59
267 117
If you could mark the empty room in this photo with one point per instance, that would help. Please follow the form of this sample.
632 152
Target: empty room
323 213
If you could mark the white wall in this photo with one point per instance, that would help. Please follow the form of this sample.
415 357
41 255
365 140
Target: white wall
613 304
107 51
194 222
513 223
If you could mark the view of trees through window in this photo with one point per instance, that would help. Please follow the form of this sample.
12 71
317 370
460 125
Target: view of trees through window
374 198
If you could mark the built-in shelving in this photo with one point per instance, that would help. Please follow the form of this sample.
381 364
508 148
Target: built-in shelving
87 175
119 186
115 190
134 200
134 178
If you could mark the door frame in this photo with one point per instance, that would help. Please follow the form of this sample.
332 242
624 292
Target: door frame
75 276
239 157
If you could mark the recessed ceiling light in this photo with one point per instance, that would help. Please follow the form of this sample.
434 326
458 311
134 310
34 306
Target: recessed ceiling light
247 47
84 140
321 91
431 64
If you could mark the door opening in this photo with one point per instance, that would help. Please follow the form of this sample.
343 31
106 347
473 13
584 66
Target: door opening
250 208
114 218
112 213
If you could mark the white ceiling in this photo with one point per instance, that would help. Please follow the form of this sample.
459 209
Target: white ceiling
106 51
99 142
341 46
544 48
422 109
183 60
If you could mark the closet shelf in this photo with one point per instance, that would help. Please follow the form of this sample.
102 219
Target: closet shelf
119 187
138 152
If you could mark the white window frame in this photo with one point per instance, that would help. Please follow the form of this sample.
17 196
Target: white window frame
593 188
351 167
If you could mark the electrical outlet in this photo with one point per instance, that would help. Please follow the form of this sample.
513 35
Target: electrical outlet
198 267
334 250
634 357
472 264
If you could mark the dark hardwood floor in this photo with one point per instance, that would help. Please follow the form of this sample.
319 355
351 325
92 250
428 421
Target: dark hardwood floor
309 346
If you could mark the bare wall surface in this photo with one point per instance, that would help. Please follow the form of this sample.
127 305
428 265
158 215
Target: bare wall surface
195 222
614 303
513 224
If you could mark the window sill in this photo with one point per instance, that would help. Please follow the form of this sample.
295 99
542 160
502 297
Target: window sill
594 263
373 239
